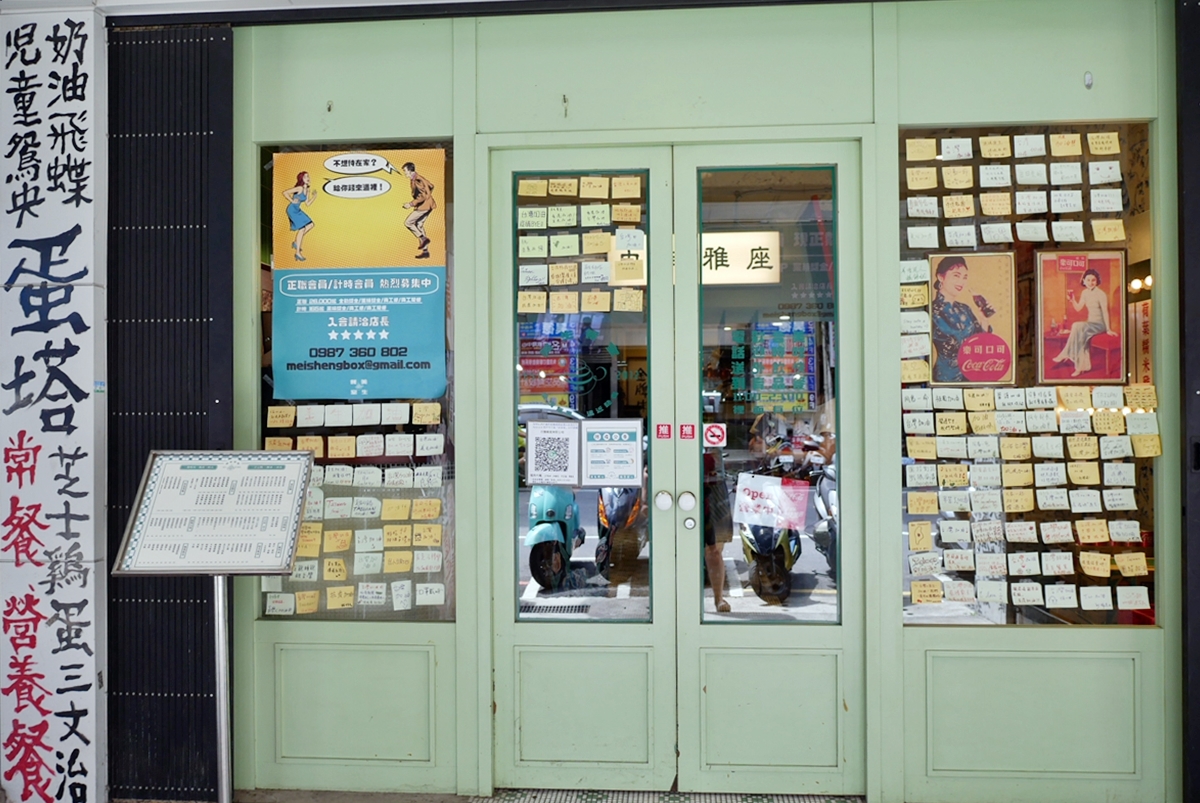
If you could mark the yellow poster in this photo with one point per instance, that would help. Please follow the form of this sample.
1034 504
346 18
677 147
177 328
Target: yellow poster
357 209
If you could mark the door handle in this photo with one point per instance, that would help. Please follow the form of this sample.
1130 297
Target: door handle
663 500
687 501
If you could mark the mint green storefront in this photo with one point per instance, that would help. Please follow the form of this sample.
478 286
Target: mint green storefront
864 705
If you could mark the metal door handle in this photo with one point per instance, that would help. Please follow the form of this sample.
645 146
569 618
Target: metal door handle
687 501
663 500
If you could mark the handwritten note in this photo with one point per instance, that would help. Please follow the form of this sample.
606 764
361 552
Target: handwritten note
921 448
280 416
1066 173
926 592
1095 564
1103 143
956 206
531 217
565 302
427 413
533 247
996 204
627 299
397 535
995 176
1065 145
1015 449
1132 564
597 242
995 147
532 187
334 569
593 187
1108 231
626 186
595 215
914 295
627 213
1092 531
958 177
921 178
920 150
920 538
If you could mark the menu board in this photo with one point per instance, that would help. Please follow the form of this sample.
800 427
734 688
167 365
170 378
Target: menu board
216 513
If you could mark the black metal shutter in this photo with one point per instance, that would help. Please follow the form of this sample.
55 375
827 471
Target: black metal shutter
170 380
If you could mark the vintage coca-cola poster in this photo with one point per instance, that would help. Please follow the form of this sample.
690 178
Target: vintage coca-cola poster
1080 317
972 315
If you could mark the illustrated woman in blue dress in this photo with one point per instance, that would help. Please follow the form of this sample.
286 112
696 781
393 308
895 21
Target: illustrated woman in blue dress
299 196
952 318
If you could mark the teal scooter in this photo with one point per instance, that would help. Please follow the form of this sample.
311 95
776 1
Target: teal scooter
554 533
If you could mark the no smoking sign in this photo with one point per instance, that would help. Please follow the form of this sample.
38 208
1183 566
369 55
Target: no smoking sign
714 435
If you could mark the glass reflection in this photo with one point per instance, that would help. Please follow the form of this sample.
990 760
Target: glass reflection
767 255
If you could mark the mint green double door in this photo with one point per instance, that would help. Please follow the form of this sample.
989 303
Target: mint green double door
768 696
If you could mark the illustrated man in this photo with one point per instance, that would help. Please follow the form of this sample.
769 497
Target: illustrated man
422 205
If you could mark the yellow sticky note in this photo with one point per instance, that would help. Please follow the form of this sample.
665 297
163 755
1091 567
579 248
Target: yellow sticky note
983 423
1082 472
564 186
1083 447
627 213
1146 445
979 399
914 295
956 206
995 204
593 186
626 186
311 443
920 536
1095 564
531 301
306 601
278 444
958 177
629 270
566 302
1065 145
627 299
922 503
595 301
1075 397
1018 500
1132 564
339 597
951 423
425 509
1017 475
921 448
596 242
532 187
920 150
280 416
995 147
395 535
1142 396
398 561
342 446
564 273
1108 231
1103 143
396 509
1015 448
953 475
427 535
921 178
1092 531
334 569
1106 422
914 371
926 592
338 540
427 413
308 545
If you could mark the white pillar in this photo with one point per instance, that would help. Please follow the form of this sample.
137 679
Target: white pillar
53 544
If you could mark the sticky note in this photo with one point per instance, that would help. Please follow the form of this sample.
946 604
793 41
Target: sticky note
372 593
397 561
1143 423
395 535
1067 231
988 532
924 563
1108 231
954 448
914 295
1142 396
398 444
914 270
920 538
960 236
627 299
995 176
1058 563
1017 475
427 560
369 445
1109 200
629 270
596 242
996 232
1065 145
1057 532
627 213
564 273
564 245
1066 201
342 446
948 399
1026 146
1020 532
959 560
427 477
595 272
1053 499
1095 598
394 412
995 204
595 301
1092 531
531 217
308 544
995 147
426 508
310 415
432 443
920 476
921 448
564 186
1103 143
914 371
531 301
277 444
594 215
1119 499
1107 422
1011 422
926 591
1131 564
307 601
1049 474
992 591
955 148
914 345
533 247
922 503
915 322
1125 531
334 569
1104 172
396 509
1085 501
626 186
981 501
532 187
956 206
1095 564
1133 598
566 302
952 475
1083 447
1083 472
368 563
427 413
1107 396
921 178
1015 449
1074 421
1121 474
1031 202
955 531
1030 174
339 597
1024 564
1146 445
1018 500
1066 173
427 535
951 423
958 177
983 446
593 186
983 422
280 416
338 540
1061 595
1032 231
986 475
311 443
1026 593
920 150
922 206
398 477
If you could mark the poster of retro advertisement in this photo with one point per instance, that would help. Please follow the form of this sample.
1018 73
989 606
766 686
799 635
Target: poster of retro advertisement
359 275
973 319
1080 317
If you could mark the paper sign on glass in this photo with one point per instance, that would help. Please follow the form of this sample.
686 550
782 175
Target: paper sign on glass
1066 173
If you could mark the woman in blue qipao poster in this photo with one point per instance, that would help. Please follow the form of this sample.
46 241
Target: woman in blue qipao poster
953 320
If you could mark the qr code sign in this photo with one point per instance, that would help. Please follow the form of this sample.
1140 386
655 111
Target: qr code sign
551 455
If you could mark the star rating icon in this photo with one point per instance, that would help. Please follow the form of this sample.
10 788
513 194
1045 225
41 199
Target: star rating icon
370 334
359 334
333 335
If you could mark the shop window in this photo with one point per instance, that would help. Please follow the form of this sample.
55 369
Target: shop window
357 367
1029 424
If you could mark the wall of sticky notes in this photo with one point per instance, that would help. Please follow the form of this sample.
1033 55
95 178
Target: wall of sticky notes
1028 469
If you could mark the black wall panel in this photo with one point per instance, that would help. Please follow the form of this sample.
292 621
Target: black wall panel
170 380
